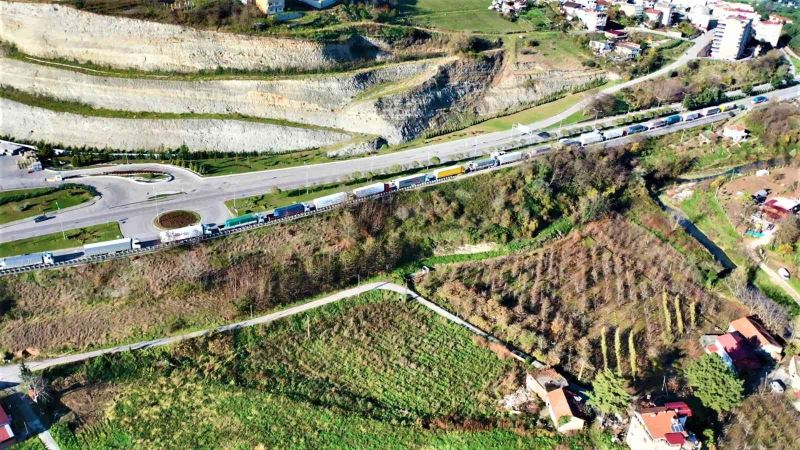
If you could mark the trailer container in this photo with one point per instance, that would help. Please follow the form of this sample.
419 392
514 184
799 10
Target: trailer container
590 138
672 120
288 211
110 247
614 133
638 128
692 116
712 111
241 221
29 259
482 164
656 124
508 158
329 200
410 180
447 172
372 189
181 234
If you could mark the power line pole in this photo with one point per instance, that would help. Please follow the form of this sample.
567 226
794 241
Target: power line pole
61 222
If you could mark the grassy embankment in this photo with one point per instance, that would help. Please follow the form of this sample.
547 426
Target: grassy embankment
704 210
24 203
468 15
55 241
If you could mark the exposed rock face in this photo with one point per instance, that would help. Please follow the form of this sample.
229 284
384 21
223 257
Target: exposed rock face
55 31
518 88
328 101
32 123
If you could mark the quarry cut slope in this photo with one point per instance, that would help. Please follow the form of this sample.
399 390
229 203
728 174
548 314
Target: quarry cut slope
328 101
56 31
39 124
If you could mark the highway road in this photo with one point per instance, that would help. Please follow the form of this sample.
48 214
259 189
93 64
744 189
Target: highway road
129 202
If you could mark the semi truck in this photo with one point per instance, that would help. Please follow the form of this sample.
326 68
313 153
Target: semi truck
29 259
592 137
182 234
241 221
614 133
329 200
410 180
289 210
672 120
111 247
482 164
447 172
508 158
371 189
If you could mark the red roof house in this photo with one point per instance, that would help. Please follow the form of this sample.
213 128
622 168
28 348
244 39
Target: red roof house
757 336
661 428
6 433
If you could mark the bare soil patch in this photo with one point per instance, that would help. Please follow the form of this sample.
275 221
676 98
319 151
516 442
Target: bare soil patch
177 219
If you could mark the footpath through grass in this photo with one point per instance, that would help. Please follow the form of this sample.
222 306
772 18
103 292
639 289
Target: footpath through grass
55 241
24 203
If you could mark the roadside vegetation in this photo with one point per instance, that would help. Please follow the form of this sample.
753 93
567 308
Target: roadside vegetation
24 203
377 371
57 241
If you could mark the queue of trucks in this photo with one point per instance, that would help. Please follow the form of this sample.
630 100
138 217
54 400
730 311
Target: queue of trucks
195 232
372 190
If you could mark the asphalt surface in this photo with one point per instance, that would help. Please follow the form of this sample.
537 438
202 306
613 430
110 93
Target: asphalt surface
130 202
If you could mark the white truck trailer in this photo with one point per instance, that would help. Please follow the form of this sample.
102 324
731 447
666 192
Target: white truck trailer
111 247
329 200
29 259
181 234
592 137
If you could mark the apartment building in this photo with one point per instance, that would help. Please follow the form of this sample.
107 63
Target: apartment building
731 37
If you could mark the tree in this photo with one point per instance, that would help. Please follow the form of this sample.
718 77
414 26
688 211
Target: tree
632 351
678 315
667 316
618 348
33 384
609 393
788 230
714 383
604 347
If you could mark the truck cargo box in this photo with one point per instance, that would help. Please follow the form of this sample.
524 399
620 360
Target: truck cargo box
448 172
482 164
30 259
410 180
110 247
590 138
181 234
671 120
614 133
329 200
288 211
638 128
508 158
371 189
241 221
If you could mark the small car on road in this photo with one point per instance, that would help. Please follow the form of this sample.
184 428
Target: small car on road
42 218
759 99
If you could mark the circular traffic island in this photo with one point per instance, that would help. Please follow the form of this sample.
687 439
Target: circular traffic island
177 219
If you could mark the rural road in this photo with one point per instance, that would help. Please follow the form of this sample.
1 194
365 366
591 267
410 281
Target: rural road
777 279
10 373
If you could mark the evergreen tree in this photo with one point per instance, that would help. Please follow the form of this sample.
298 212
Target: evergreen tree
667 318
609 393
604 348
632 351
618 348
714 383
678 315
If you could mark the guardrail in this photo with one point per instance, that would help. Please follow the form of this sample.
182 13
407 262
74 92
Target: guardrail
530 153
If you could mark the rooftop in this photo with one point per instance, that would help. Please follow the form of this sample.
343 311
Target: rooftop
748 327
560 403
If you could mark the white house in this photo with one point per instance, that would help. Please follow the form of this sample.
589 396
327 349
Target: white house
736 133
661 428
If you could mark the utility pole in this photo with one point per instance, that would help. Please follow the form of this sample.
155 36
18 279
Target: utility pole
61 222
306 168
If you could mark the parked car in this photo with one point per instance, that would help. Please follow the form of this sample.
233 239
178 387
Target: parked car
42 218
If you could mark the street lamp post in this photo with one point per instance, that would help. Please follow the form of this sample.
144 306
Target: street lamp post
61 222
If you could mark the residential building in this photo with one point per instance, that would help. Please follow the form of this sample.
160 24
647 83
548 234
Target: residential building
588 13
754 332
615 34
667 10
661 428
6 433
736 133
700 16
731 38
768 31
594 20
628 50
652 17
735 351
571 9
778 208
562 405
545 380
632 9
270 6
601 47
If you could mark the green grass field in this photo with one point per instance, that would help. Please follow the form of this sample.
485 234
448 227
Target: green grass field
55 241
467 15
373 372
24 203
